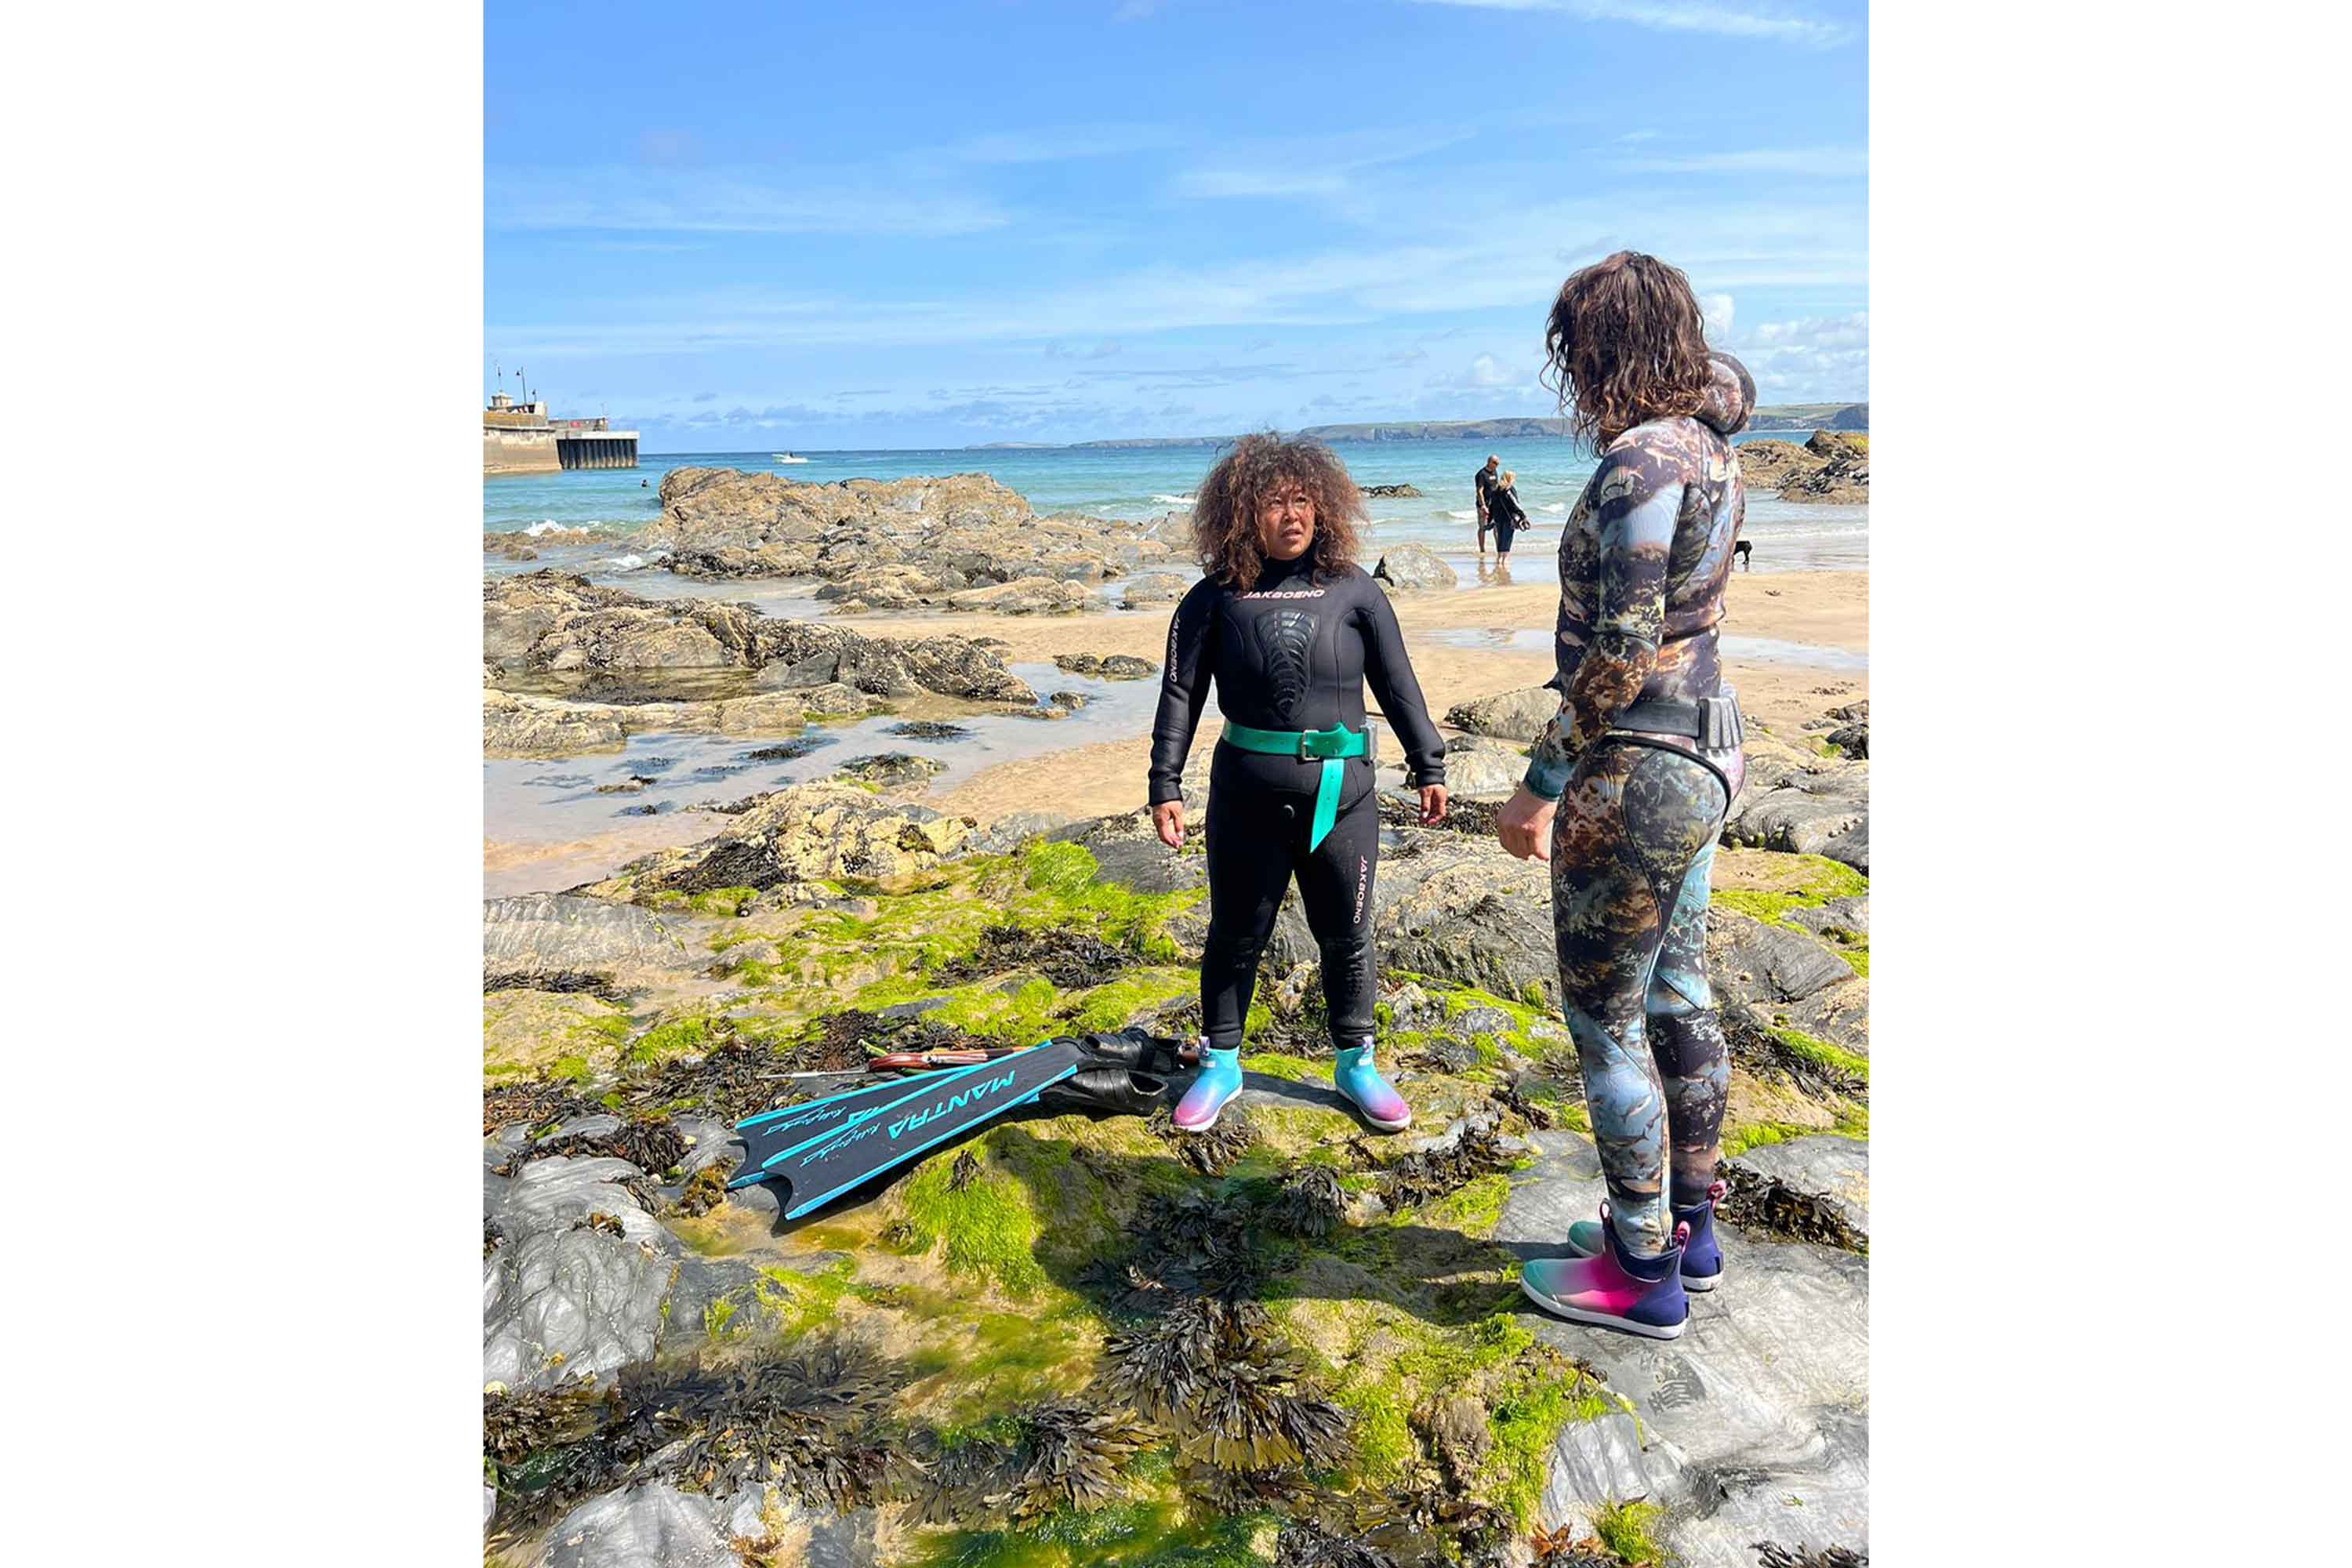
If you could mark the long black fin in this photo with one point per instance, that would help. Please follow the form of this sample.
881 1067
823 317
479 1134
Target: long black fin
821 1168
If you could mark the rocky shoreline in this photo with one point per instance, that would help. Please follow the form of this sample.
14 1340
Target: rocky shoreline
968 1365
1832 468
959 542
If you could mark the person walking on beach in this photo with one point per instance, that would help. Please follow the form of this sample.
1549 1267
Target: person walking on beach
1628 786
1289 628
1510 519
1484 482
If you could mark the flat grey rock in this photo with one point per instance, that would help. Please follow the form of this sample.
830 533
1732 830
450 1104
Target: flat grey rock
707 1142
561 1299
1759 962
1754 1424
653 1526
569 1305
547 933
1837 914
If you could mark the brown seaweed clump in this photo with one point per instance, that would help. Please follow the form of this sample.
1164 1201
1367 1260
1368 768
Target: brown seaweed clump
1766 1057
809 1420
1304 1544
1481 1150
1308 1203
1769 1555
535 1102
651 1144
1764 1203
705 1191
1245 1413
1211 1153
1563 1548
1071 960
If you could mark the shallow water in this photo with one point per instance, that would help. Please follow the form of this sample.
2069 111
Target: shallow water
1755 650
556 800
1150 482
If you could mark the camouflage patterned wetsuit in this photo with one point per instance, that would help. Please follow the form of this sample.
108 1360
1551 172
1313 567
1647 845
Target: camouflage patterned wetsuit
1642 562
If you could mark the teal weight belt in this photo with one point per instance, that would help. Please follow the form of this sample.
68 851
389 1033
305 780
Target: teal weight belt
1334 746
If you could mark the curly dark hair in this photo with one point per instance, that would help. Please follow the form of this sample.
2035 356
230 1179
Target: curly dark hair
1224 512
1626 340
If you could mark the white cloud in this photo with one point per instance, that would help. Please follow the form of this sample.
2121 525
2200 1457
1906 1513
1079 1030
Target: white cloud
1506 258
721 201
1676 16
1820 163
1813 332
1716 309
1485 371
1813 358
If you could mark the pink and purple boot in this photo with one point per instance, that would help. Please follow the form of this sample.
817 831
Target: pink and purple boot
1355 1076
1702 1254
1615 1289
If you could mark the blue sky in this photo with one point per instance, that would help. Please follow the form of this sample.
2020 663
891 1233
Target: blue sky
919 225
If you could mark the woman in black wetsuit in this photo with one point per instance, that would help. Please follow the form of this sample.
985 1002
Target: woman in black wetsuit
1291 629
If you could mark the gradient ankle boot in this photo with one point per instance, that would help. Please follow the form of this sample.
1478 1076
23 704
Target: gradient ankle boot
1356 1078
1702 1258
1220 1081
1613 1289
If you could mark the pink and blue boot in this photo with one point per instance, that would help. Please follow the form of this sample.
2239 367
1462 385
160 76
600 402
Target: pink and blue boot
1355 1076
1220 1081
1702 1254
1615 1289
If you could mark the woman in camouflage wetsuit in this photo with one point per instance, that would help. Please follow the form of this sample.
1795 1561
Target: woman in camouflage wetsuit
1629 786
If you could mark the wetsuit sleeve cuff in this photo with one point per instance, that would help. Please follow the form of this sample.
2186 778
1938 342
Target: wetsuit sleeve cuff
1546 778
1162 794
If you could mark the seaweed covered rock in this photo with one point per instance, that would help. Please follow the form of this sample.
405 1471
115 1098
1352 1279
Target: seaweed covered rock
1109 667
1413 569
962 541
1814 1189
1516 715
1796 801
1832 468
809 833
515 726
550 623
893 770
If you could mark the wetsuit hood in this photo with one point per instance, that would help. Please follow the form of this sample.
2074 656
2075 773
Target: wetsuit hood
1730 395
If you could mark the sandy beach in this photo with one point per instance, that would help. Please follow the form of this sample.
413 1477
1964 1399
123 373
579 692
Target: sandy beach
1824 611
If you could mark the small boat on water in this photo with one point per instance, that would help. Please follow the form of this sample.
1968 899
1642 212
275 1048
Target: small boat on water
786 458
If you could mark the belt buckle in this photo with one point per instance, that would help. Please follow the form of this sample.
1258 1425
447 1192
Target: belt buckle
1309 740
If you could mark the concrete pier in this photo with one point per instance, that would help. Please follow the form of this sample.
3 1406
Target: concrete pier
519 439
587 443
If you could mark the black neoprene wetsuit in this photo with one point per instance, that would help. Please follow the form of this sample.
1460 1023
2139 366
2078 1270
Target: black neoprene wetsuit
1294 653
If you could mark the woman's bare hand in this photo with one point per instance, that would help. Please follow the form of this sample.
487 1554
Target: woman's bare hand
1169 818
1432 804
1524 824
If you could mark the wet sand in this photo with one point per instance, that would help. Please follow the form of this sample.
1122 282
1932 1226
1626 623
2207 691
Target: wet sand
1824 610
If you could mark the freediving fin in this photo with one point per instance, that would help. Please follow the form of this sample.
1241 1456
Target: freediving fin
773 1132
869 1139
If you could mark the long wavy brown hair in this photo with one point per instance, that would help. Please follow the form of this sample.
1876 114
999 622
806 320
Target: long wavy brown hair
1627 342
1226 507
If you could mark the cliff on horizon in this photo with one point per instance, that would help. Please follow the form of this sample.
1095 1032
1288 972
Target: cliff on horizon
1782 417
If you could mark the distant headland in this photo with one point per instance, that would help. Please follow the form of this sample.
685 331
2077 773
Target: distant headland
1782 417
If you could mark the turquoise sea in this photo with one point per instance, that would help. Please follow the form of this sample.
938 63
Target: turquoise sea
1146 482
